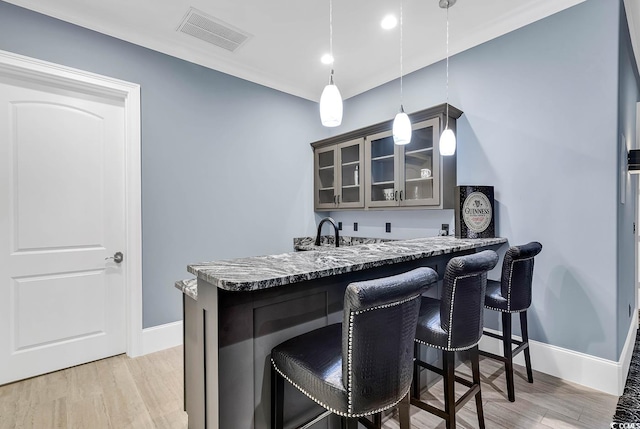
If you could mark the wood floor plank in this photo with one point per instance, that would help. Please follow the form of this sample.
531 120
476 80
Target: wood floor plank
28 398
10 395
597 410
88 412
504 411
44 415
83 381
125 406
55 386
158 385
561 421
176 419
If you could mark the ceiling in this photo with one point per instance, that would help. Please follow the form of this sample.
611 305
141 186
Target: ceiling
288 37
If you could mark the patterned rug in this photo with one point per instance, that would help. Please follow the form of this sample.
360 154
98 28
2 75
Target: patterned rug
628 409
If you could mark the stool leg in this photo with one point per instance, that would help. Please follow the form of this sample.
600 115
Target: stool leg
403 412
449 379
415 386
475 370
377 420
508 354
277 399
349 423
525 339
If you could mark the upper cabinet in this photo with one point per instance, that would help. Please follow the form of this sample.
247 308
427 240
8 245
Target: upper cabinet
404 175
364 169
338 183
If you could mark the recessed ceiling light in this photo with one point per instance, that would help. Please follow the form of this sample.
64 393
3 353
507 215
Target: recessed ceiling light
389 22
327 59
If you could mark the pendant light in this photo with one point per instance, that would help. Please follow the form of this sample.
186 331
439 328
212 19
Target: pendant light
401 123
447 138
331 100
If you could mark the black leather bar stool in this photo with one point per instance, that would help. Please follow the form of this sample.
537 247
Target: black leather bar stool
362 366
512 294
454 323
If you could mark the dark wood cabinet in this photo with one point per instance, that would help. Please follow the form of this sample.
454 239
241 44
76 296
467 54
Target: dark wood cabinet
388 176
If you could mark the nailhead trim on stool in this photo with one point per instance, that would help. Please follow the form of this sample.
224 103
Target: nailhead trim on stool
334 411
350 352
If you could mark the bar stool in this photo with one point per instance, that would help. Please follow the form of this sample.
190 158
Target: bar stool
454 323
512 294
362 366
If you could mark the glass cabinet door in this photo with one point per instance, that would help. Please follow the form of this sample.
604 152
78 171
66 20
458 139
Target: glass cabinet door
421 165
339 180
382 170
325 183
350 160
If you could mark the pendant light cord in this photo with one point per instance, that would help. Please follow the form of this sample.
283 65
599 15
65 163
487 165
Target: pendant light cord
447 125
331 38
401 70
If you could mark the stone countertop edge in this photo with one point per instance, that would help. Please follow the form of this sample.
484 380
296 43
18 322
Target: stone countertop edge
263 272
189 287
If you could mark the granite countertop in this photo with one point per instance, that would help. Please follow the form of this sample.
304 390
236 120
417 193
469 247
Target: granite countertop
263 272
328 242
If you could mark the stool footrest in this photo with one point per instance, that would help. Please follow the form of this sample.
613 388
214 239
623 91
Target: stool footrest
315 420
459 403
375 424
492 335
474 388
439 371
521 346
500 337
492 356
429 408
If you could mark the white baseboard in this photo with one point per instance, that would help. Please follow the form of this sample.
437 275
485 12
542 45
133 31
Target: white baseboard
161 337
601 374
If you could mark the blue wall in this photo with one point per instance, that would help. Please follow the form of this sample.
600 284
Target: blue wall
629 95
540 124
226 165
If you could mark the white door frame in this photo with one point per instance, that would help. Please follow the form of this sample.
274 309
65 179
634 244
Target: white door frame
129 93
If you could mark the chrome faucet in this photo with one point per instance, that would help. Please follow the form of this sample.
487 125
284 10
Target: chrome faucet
335 228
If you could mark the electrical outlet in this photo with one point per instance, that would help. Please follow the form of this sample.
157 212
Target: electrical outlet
340 226
387 227
355 226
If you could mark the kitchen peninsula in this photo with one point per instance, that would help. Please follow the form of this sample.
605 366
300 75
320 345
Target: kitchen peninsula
241 308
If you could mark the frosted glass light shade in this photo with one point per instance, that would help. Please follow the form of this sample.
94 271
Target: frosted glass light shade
447 143
331 106
401 129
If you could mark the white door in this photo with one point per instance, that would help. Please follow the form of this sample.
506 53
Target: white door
62 213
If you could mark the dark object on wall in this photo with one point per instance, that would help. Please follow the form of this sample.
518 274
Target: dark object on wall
475 212
633 161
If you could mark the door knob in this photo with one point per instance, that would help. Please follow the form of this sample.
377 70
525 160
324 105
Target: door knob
117 257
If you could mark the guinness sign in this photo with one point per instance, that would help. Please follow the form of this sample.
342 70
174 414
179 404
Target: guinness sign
474 212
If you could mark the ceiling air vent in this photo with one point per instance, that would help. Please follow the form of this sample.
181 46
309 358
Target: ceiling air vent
212 30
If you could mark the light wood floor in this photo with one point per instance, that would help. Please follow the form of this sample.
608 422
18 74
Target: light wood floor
146 392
